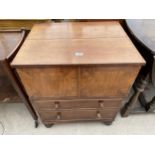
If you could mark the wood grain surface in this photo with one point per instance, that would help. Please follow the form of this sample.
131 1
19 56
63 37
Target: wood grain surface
77 30
67 69
76 115
78 81
77 43
47 104
8 42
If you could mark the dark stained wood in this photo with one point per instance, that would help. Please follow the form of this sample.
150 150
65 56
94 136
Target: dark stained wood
153 72
7 92
76 115
18 87
133 100
77 71
9 41
142 33
9 84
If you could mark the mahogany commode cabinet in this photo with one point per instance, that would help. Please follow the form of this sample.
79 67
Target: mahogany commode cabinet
77 71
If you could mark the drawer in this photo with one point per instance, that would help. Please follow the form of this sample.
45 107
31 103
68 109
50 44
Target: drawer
64 115
77 104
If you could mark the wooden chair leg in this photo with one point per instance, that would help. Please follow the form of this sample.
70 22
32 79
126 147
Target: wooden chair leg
152 105
143 102
19 90
153 72
149 106
133 100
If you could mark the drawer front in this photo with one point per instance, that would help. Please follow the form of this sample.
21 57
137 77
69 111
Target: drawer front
64 115
76 104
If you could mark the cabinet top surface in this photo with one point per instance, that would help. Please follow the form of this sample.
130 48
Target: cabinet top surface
77 43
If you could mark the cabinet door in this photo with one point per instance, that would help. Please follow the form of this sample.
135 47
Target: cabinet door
107 81
49 81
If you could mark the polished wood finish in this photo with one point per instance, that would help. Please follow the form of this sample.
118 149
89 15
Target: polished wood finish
76 44
104 81
49 82
76 104
79 51
77 115
77 30
77 71
78 81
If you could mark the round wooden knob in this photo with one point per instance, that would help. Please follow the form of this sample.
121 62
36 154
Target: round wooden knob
98 115
56 105
101 103
58 115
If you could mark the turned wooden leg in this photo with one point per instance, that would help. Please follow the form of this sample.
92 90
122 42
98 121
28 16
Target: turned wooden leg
49 125
36 123
133 100
153 72
151 105
143 102
18 87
